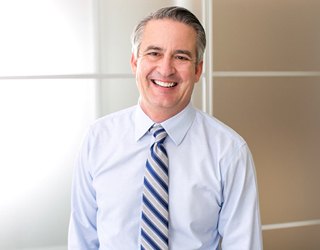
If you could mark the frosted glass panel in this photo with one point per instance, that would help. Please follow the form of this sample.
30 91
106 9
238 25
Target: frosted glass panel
117 94
42 124
46 37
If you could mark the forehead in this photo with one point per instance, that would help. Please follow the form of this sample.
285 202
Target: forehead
166 33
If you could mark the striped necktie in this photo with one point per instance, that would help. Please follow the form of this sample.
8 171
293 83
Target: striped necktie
155 205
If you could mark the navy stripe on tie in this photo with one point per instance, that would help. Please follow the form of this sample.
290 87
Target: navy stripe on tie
156 194
159 131
159 162
155 229
163 150
157 177
155 211
149 240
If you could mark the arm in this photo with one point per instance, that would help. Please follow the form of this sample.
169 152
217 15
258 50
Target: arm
239 222
82 227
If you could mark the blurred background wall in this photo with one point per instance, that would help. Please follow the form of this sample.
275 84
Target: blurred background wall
65 63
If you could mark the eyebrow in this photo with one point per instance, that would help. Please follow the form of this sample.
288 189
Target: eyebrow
153 48
179 51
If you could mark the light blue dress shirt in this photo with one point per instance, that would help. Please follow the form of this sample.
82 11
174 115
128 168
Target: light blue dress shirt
212 186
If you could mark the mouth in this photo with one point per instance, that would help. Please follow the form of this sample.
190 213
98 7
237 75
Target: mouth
164 84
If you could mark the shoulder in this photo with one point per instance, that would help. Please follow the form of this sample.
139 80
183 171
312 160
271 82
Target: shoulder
225 144
216 130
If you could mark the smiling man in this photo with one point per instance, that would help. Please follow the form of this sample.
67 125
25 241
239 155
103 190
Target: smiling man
166 68
162 174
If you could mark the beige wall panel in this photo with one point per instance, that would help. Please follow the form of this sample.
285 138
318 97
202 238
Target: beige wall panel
266 35
303 238
280 119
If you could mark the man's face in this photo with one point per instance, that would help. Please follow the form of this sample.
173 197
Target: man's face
166 68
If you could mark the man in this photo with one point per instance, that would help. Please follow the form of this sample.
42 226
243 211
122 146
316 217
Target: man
195 187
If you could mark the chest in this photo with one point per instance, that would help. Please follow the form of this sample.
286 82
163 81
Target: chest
194 185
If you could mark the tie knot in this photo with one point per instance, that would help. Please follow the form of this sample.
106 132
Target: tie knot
159 133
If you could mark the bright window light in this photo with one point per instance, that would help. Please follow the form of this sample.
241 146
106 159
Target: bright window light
42 123
46 37
43 115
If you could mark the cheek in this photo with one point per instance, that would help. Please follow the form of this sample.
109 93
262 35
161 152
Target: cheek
188 75
142 70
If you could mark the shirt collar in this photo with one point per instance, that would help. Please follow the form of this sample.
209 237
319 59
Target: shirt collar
176 126
142 123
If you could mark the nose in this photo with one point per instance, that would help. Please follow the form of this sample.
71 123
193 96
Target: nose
166 66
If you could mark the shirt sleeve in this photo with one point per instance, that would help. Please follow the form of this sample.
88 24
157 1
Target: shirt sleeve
82 226
239 222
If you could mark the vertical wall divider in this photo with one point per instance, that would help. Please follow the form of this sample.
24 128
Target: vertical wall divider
207 80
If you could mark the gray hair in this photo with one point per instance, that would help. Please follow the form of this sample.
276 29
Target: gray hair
177 14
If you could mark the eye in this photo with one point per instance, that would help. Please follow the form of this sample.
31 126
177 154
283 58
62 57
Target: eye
153 53
183 58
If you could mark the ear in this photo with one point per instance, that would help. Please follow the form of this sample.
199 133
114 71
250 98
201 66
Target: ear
133 63
198 70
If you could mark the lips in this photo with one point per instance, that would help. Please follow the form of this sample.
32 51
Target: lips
165 84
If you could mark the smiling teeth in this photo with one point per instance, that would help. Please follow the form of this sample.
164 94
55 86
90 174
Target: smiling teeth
165 84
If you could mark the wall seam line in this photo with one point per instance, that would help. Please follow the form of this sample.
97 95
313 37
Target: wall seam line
265 73
292 224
